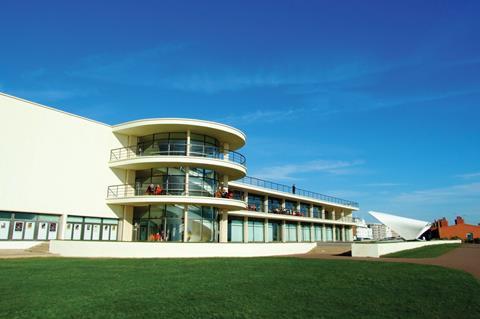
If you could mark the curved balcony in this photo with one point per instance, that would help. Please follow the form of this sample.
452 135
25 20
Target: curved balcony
172 193
223 133
138 157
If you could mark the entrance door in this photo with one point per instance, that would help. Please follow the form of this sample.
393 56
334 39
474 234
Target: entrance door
18 230
113 232
42 231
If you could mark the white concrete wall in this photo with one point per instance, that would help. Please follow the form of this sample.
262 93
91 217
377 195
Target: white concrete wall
174 250
24 244
379 249
54 162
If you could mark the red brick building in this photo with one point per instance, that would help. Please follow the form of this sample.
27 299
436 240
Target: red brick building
441 229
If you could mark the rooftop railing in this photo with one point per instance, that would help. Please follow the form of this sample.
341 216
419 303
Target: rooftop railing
301 192
176 149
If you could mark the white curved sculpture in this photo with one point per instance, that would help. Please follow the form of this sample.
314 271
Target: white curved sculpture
407 228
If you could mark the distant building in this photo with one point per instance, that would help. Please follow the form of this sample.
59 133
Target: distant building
361 230
380 231
441 229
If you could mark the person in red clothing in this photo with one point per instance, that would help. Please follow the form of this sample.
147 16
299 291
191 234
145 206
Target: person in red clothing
158 190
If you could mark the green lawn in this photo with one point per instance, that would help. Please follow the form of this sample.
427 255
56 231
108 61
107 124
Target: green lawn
232 288
424 252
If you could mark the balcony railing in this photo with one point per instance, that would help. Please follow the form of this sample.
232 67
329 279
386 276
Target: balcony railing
168 189
176 149
288 189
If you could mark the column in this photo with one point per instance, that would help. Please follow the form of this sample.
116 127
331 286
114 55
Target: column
188 143
62 225
284 237
324 232
334 233
265 204
310 211
187 181
245 197
224 227
323 213
342 215
297 208
350 232
126 231
265 230
186 234
343 233
333 215
245 229
299 232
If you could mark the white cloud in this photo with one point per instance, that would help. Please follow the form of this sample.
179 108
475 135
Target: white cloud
450 194
287 172
469 175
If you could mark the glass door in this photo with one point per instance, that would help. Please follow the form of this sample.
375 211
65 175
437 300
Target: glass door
18 230
42 231
77 232
52 231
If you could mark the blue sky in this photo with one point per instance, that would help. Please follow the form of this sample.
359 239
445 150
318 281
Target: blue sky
373 101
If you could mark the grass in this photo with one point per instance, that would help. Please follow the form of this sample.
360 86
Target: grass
424 252
232 288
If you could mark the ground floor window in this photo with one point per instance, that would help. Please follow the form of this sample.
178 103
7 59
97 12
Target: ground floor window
347 234
306 232
274 231
167 223
255 230
91 228
235 229
291 232
338 233
329 233
202 224
28 226
317 232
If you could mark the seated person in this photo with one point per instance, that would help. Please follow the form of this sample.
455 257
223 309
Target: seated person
150 189
158 190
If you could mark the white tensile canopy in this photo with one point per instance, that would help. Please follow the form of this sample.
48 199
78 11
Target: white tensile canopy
407 228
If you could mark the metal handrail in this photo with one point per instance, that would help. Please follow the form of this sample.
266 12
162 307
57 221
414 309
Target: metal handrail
176 149
288 189
171 189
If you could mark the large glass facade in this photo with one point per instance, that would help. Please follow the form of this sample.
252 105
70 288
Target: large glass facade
202 224
202 182
255 230
329 233
166 223
235 229
175 143
171 181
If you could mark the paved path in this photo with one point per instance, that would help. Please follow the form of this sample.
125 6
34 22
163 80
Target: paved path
20 253
466 258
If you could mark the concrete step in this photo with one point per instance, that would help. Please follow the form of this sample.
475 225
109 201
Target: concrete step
332 249
40 248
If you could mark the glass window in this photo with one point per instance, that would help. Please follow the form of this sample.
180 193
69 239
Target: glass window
74 219
238 195
157 211
290 205
92 220
306 232
25 216
110 221
274 203
201 224
291 232
317 211
235 229
274 231
304 209
5 215
255 230
255 202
